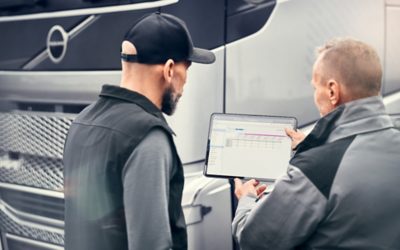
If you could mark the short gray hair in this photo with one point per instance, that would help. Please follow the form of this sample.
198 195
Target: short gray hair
354 63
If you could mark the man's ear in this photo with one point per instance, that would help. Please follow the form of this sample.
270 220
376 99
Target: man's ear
169 70
334 92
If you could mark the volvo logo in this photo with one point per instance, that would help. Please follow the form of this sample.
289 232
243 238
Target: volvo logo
57 40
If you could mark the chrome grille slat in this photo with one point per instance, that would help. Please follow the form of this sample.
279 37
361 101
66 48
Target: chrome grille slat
20 243
34 204
10 226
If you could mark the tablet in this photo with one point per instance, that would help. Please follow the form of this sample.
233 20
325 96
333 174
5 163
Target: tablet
248 146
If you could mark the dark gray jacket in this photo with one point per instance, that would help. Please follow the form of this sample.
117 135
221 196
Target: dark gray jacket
340 191
123 178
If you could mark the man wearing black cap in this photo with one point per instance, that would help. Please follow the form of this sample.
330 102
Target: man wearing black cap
123 177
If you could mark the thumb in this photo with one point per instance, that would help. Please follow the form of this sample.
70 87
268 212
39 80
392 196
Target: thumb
238 183
290 132
261 189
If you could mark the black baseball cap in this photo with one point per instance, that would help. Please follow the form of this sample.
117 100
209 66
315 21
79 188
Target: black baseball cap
159 37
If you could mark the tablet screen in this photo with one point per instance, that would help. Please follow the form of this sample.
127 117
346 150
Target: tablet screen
248 146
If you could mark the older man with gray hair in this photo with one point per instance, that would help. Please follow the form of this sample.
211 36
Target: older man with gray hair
340 190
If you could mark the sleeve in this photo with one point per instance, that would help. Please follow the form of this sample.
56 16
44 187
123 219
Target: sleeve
146 177
283 219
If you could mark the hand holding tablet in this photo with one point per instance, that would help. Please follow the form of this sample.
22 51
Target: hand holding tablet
248 146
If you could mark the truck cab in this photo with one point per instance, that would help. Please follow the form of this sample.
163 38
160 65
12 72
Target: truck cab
56 55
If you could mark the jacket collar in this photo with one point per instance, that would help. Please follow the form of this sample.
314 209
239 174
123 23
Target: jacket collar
352 118
361 116
133 97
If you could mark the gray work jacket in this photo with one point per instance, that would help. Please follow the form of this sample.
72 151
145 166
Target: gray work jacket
340 190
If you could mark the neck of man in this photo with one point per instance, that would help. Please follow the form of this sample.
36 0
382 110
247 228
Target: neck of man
145 83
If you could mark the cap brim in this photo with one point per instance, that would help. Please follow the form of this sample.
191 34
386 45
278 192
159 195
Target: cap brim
202 56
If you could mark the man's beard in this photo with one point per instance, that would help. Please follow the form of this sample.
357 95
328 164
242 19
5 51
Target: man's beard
169 103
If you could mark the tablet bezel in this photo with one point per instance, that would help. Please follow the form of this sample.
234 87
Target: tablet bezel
213 115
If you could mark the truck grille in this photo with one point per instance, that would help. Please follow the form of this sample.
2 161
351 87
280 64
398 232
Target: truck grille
15 242
34 204
31 148
38 135
31 179
32 171
7 224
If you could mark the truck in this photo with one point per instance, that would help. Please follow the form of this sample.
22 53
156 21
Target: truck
56 55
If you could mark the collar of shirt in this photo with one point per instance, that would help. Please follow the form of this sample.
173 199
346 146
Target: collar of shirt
133 97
